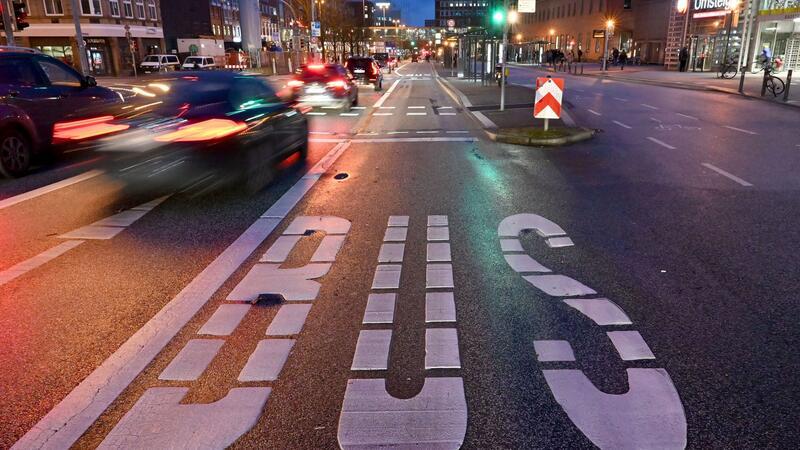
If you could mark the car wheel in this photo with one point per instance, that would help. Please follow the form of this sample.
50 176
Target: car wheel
259 170
15 153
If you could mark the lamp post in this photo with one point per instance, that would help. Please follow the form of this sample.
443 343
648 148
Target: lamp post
609 29
452 59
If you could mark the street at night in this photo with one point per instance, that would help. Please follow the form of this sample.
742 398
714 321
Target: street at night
337 230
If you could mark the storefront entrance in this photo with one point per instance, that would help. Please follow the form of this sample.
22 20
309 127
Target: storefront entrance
99 57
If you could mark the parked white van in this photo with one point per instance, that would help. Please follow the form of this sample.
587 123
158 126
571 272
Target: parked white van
199 63
160 63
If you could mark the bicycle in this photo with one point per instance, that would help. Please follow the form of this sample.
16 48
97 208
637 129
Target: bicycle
773 84
728 70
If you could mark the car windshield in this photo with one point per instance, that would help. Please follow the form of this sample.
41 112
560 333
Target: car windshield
151 58
193 60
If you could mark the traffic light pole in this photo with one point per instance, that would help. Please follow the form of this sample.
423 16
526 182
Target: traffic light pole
503 58
8 26
76 19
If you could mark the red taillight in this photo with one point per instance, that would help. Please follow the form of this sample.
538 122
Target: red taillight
204 131
295 83
316 66
338 84
86 128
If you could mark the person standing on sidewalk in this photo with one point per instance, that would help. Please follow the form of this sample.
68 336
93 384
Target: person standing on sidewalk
614 56
623 58
580 54
683 58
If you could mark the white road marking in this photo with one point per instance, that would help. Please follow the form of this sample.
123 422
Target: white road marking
438 233
428 132
391 253
387 107
485 121
548 351
687 116
559 285
649 106
192 360
68 420
289 320
445 107
457 132
348 114
328 224
46 256
594 112
440 307
437 221
330 107
380 308
280 249
395 234
11 201
358 107
661 143
439 276
558 242
438 252
224 320
322 132
111 226
382 114
328 249
601 311
630 345
512 226
93 232
398 221
741 130
511 245
447 114
414 139
727 174
372 350
416 114
296 284
207 425
416 107
523 263
434 418
386 95
397 132
387 276
655 120
621 99
441 348
266 362
622 124
316 113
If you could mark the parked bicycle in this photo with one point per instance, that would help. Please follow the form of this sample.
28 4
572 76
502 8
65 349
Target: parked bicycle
773 84
728 70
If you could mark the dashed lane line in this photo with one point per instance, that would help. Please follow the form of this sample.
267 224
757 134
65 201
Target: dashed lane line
594 112
622 125
661 143
68 420
727 174
741 130
385 96
687 116
49 188
416 114
620 99
316 113
649 106
383 114
428 132
38 260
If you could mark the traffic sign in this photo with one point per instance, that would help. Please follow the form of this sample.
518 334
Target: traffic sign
315 31
549 92
451 23
526 6
598 34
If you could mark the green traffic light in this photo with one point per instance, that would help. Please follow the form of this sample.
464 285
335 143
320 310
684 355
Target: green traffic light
498 16
413 43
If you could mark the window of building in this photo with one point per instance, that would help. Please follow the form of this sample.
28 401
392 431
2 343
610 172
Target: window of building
140 9
127 8
114 4
152 11
53 8
91 8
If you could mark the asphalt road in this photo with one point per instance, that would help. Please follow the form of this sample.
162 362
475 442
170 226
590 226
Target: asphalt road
665 320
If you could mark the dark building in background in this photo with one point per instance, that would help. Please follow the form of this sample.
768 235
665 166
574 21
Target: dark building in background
363 11
214 19
463 13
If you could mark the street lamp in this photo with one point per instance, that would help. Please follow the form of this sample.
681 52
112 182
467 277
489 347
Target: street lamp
512 16
609 29
384 6
452 58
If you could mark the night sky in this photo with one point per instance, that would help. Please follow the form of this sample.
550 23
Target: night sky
415 11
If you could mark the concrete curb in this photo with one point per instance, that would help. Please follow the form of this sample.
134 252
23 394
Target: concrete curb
582 135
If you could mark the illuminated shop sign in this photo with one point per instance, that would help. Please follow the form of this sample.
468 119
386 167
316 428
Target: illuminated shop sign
709 5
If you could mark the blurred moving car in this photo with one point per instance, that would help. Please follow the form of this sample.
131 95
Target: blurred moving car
365 70
414 58
199 63
35 92
159 63
327 85
196 125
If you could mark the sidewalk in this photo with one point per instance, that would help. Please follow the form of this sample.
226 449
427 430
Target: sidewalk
705 81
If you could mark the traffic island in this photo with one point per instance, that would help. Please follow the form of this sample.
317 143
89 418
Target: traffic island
538 137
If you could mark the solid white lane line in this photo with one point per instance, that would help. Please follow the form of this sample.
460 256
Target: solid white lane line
372 350
192 360
49 188
266 362
380 308
630 345
727 174
594 112
687 116
622 125
68 420
416 114
648 106
440 307
289 320
548 351
741 130
441 349
387 276
661 143
225 319
415 139
385 96
36 261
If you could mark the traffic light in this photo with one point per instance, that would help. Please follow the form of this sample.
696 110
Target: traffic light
21 16
498 17
626 4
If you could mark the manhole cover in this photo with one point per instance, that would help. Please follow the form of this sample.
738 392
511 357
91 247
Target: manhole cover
341 176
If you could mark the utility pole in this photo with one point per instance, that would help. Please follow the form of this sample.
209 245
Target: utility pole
7 24
76 19
313 22
506 25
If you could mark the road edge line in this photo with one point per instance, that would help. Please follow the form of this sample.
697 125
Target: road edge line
38 192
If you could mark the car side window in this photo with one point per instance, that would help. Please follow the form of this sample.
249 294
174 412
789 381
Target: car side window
59 75
250 92
172 59
18 72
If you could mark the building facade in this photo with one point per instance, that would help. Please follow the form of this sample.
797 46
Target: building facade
460 13
116 32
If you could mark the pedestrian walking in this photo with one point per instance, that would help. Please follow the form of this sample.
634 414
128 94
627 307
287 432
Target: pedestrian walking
570 60
614 56
683 58
580 55
623 58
